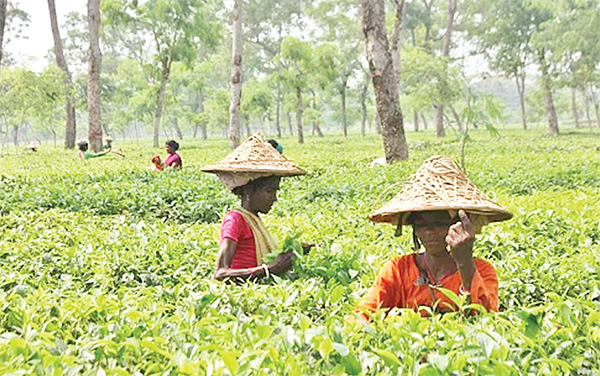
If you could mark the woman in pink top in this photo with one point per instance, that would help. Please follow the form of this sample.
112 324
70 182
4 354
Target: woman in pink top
252 172
237 250
174 159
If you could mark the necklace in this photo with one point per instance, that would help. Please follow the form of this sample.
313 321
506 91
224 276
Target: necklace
446 272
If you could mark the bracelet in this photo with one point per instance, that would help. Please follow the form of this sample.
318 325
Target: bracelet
462 291
266 269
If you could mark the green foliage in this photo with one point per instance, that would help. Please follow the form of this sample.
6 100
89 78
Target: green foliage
427 79
106 268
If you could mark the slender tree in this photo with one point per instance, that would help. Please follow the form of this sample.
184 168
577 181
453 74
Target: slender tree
70 127
177 28
396 38
297 57
439 107
267 23
236 76
547 89
94 65
384 80
502 31
3 9
200 109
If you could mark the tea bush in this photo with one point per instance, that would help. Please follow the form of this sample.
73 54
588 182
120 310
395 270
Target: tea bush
106 268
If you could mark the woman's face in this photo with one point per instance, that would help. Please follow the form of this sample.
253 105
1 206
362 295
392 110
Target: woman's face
432 227
263 197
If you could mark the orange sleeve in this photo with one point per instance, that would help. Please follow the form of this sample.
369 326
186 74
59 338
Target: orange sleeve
386 291
484 287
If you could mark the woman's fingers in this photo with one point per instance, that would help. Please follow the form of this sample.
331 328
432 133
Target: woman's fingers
466 222
460 232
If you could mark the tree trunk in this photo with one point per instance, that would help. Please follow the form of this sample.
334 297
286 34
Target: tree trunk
439 120
278 112
456 118
396 40
105 129
586 105
289 121
299 110
363 107
317 130
574 107
236 76
416 120
315 126
344 120
596 109
70 127
3 6
200 110
137 133
377 123
164 77
177 129
16 137
439 107
427 25
248 128
384 81
520 80
589 119
451 11
94 66
424 121
548 101
203 131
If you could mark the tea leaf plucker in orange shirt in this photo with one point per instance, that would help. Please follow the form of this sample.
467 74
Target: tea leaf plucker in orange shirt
446 211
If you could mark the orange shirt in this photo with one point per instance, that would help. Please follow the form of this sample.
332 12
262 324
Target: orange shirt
395 286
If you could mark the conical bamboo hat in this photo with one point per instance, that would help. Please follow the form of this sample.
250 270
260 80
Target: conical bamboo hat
256 155
439 184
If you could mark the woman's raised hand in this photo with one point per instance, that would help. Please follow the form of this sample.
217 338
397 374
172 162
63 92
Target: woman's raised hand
460 238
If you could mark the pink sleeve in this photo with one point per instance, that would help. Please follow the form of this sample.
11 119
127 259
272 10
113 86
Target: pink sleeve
231 227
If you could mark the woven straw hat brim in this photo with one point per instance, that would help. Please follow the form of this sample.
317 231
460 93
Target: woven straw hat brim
262 168
256 155
393 214
439 184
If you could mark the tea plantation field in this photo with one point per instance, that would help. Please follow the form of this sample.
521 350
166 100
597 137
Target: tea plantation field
106 267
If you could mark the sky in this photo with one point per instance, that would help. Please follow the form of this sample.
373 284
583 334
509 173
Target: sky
31 52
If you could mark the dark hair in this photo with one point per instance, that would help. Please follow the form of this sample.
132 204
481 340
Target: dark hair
173 145
255 185
83 145
273 142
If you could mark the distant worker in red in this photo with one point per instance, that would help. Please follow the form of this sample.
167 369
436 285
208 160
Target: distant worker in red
173 159
252 172
157 165
445 210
